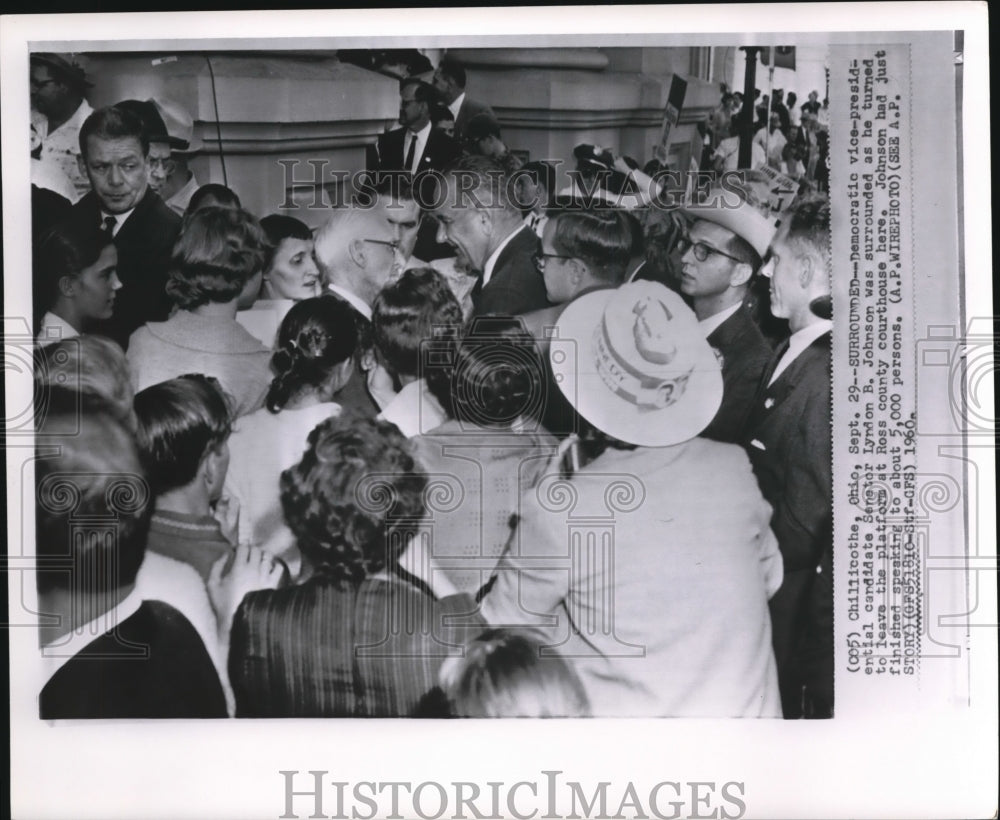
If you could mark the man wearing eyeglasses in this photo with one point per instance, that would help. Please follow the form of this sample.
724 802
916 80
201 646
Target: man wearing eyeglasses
721 253
58 112
356 253
169 162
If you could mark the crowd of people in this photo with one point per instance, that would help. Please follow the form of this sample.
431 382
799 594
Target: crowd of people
517 452
792 140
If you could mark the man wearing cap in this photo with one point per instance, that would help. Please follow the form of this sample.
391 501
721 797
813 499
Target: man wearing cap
158 160
788 440
721 253
176 183
630 569
480 220
114 146
59 110
482 136
449 81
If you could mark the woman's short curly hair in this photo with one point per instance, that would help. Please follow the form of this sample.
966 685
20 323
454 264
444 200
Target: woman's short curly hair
217 253
354 498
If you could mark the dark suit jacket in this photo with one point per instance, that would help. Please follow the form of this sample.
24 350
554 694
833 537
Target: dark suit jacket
516 286
439 152
745 354
144 245
470 108
789 443
354 396
171 677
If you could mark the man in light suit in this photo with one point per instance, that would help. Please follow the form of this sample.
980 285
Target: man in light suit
788 439
720 254
449 80
114 146
480 220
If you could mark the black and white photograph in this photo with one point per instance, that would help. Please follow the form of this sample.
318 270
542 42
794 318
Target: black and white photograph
623 375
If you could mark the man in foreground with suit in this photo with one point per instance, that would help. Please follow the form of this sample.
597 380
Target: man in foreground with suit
788 439
478 218
720 254
449 80
114 147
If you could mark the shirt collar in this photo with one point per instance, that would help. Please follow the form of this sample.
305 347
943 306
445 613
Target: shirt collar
352 299
491 262
457 104
52 321
712 322
422 133
56 654
120 219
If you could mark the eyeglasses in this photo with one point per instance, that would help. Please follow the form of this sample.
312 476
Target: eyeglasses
701 250
542 258
389 244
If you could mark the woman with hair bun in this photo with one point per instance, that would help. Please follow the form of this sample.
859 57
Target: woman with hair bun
360 635
313 360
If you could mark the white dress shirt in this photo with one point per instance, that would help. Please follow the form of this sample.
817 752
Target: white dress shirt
712 322
418 153
456 105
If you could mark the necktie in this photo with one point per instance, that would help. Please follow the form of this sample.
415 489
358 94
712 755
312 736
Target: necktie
408 165
109 225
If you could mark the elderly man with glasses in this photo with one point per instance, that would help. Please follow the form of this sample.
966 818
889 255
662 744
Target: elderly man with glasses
721 252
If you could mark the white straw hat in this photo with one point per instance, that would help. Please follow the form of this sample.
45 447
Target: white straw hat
635 364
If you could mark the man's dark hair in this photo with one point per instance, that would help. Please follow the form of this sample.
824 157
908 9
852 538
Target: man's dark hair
424 92
541 173
453 69
482 182
92 500
810 224
113 123
603 238
180 420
